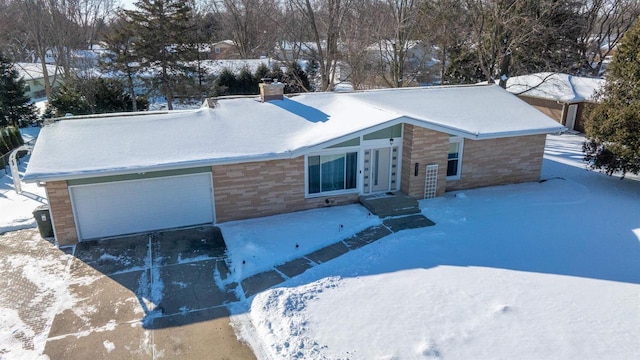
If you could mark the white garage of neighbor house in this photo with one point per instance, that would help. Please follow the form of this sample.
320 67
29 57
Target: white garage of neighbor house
238 158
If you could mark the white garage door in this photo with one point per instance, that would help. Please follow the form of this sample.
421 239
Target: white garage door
125 207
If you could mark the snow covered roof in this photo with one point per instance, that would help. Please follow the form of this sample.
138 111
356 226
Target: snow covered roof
33 71
235 66
244 129
555 86
224 42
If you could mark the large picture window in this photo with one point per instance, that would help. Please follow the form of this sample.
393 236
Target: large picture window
454 164
332 172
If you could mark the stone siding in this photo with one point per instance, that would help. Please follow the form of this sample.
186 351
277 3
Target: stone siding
62 213
500 161
425 147
249 190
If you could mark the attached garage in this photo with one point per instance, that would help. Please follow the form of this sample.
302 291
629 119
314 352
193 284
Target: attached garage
106 209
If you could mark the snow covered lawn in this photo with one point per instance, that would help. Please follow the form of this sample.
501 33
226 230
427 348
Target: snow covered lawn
264 242
532 271
16 210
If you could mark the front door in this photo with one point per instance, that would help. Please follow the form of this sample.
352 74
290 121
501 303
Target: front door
380 169
572 111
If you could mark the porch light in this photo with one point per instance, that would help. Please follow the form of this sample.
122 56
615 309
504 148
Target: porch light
390 141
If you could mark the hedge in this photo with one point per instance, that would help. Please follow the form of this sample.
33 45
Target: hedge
10 138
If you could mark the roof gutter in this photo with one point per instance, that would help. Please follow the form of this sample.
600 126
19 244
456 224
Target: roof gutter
32 178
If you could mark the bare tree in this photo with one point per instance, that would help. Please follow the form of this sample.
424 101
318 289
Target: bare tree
248 24
605 22
398 34
51 28
498 27
441 23
322 21
358 34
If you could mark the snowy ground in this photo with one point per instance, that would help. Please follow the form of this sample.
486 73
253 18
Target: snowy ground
16 210
532 271
264 242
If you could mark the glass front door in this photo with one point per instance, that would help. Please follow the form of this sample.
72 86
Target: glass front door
380 169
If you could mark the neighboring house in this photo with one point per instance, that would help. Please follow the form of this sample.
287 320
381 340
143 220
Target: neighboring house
294 50
239 157
34 78
419 60
560 96
223 50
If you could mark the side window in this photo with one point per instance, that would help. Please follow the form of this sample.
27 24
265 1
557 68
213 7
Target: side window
454 164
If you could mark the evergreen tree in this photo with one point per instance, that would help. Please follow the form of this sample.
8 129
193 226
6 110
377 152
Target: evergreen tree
463 67
226 83
296 80
613 127
120 59
312 69
247 83
276 73
162 42
15 106
262 72
68 100
107 96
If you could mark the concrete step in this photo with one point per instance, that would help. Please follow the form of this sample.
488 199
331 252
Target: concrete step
390 204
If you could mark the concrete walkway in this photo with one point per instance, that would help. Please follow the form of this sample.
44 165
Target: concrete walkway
262 281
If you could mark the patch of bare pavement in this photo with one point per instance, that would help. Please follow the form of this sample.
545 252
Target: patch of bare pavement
154 296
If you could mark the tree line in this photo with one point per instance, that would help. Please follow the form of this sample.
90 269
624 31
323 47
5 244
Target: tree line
375 43
464 41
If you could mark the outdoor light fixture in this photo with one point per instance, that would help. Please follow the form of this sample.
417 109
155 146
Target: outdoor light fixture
390 141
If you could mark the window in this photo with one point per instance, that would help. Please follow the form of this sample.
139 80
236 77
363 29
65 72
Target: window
334 172
454 164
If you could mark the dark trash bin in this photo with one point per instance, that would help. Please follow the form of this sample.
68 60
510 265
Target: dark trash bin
43 218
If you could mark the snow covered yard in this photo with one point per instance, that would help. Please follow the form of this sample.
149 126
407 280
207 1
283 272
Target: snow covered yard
532 271
16 210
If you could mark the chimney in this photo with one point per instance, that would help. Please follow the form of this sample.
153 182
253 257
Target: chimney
271 90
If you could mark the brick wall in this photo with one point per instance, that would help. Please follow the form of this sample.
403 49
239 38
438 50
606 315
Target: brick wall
500 161
61 212
425 147
249 190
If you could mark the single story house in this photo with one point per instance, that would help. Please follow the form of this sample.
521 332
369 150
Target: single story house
560 96
33 77
224 50
245 157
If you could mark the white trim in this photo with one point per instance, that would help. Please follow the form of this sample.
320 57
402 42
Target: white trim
460 141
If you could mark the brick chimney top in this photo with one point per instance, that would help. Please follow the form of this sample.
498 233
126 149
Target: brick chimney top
271 90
